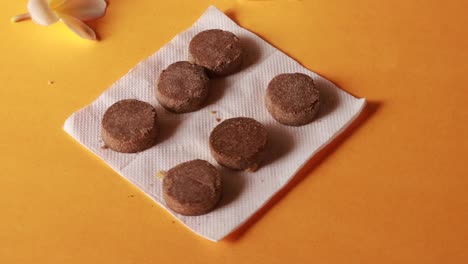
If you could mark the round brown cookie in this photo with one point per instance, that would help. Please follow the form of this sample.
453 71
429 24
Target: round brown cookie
239 143
292 99
192 188
129 126
217 50
182 87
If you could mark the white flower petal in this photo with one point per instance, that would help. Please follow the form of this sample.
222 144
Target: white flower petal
79 27
41 13
82 9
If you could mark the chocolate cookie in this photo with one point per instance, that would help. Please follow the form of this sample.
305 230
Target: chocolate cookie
239 143
182 87
192 188
217 50
292 99
129 126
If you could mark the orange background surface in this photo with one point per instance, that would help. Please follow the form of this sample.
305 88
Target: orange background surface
392 189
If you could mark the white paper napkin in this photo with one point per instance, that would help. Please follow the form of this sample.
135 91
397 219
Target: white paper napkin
185 137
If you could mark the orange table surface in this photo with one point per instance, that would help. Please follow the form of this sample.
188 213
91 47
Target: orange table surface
392 189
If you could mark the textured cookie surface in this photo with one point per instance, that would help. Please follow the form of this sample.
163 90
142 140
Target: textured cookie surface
292 99
192 188
182 87
217 50
129 126
239 143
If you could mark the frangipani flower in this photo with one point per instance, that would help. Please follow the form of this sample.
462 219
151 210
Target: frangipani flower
70 12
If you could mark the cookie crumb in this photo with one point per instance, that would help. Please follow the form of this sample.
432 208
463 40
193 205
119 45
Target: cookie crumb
213 112
105 147
160 175
218 119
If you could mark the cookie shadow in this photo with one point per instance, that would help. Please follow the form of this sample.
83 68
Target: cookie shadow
168 123
280 143
329 99
369 111
218 85
233 184
216 90
251 52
